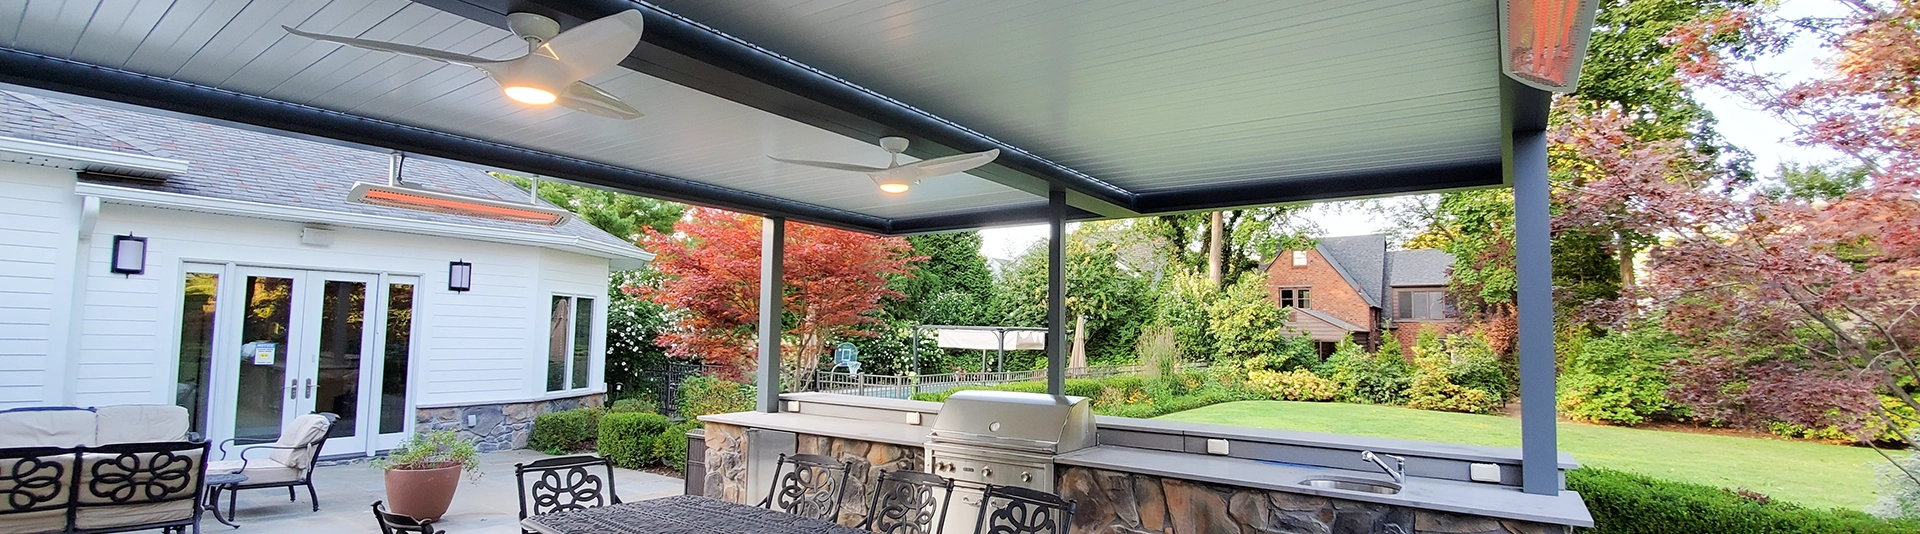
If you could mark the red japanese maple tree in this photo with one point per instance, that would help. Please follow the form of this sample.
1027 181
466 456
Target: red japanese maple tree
1804 308
835 281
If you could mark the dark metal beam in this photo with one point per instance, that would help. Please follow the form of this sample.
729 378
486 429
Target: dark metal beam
228 108
687 53
1057 292
1281 190
1030 214
773 251
1539 442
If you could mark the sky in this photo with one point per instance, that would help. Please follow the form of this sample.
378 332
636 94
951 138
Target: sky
1740 123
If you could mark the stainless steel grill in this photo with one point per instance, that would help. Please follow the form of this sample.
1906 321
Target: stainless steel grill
1003 438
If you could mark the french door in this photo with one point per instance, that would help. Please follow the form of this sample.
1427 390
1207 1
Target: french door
304 341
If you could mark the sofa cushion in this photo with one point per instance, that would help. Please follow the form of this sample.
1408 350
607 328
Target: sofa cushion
89 517
40 483
258 471
302 434
139 423
46 427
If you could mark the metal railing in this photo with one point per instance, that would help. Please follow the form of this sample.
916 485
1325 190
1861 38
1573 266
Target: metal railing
903 387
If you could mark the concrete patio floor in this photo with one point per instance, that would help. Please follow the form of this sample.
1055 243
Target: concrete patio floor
486 505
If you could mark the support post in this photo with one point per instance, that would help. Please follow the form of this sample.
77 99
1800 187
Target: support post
1539 445
773 248
1056 292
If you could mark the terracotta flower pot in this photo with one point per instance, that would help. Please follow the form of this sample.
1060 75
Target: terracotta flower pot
422 493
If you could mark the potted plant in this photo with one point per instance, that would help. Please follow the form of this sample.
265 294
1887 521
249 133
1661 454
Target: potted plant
424 470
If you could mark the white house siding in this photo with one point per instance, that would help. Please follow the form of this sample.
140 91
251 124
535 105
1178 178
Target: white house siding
39 219
468 348
563 273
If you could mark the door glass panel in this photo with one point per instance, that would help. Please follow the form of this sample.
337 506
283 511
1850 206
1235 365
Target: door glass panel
196 347
337 379
582 341
393 386
263 363
557 346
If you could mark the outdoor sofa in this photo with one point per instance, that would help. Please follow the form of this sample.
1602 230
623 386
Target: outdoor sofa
97 470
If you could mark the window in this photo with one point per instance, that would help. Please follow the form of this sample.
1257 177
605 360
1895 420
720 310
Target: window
393 385
1424 305
1295 297
570 343
196 345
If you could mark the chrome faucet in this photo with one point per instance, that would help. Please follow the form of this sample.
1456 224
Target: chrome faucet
1398 470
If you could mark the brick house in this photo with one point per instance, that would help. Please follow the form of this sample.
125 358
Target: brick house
1354 286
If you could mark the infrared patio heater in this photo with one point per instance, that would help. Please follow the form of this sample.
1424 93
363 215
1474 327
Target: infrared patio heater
396 193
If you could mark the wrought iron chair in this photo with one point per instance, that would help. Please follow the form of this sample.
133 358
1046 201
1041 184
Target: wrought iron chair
139 486
811 489
564 483
905 502
392 523
289 462
1022 511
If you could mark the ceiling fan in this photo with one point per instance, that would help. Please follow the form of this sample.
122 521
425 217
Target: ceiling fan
555 64
897 178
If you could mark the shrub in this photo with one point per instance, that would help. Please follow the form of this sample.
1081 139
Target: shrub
706 395
627 439
1619 378
1080 387
633 405
1295 385
1158 407
432 449
1185 301
1246 323
671 445
1379 378
1437 377
1899 494
565 431
1474 364
1627 503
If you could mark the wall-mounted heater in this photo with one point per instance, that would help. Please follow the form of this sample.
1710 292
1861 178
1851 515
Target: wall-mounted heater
396 194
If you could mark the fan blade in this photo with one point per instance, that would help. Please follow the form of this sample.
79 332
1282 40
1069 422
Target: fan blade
383 46
596 46
954 164
583 96
829 165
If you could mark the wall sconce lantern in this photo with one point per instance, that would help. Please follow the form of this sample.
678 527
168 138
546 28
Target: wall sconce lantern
459 276
129 255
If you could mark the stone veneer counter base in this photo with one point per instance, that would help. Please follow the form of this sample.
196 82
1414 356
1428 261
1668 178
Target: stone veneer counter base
498 427
1488 500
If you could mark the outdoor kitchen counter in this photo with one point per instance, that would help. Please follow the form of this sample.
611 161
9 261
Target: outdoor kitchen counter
1490 500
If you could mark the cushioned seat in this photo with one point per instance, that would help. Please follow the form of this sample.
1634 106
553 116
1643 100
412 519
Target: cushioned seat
258 471
47 427
139 423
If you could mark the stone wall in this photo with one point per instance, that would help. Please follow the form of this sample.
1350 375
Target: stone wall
1126 503
727 466
500 426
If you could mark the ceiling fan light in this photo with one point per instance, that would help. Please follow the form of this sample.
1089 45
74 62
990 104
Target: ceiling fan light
530 95
894 187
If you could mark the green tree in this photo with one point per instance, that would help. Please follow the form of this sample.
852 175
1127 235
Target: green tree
1251 235
1115 300
954 285
623 215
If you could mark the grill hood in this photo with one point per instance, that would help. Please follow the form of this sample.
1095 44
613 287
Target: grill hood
1030 422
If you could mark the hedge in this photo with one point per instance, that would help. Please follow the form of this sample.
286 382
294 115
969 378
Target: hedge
670 446
706 395
1628 503
628 438
565 431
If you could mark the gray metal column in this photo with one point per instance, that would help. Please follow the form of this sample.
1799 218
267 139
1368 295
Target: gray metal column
1056 292
773 250
1539 444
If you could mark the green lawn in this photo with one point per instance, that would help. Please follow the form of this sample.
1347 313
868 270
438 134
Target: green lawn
1812 474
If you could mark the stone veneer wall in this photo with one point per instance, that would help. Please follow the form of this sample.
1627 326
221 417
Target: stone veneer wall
727 468
1127 503
501 426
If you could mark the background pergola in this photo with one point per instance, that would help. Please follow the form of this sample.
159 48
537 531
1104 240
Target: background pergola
1101 109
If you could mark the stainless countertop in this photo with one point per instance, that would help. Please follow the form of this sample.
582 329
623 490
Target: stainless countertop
1489 500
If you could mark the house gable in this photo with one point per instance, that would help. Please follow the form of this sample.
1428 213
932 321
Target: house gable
1330 290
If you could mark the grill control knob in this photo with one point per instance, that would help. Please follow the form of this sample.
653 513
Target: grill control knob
986 471
1026 477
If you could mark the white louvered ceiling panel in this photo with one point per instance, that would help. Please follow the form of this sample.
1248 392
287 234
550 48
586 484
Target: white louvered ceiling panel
1153 95
237 45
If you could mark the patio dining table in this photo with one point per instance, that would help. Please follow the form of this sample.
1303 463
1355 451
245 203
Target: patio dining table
680 514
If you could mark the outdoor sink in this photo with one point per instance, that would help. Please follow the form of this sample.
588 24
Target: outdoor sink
1385 488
